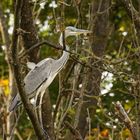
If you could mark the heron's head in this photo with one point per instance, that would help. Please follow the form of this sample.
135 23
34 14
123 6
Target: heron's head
73 31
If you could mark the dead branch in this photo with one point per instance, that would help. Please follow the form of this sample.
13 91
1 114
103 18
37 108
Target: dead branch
125 119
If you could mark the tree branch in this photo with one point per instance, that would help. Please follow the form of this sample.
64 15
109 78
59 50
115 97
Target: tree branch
99 25
132 12
12 86
45 42
17 74
73 131
125 119
4 31
29 33
46 113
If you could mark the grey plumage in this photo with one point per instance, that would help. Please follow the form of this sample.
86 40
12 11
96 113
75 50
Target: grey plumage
35 77
42 74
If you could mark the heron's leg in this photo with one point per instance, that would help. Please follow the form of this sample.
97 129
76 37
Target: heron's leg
40 107
38 110
36 97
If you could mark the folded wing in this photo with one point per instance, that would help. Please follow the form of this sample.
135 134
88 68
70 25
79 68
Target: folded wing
37 76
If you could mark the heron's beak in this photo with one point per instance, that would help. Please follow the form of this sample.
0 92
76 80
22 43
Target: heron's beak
81 31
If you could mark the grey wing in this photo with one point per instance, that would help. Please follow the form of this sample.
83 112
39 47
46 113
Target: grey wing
43 61
37 76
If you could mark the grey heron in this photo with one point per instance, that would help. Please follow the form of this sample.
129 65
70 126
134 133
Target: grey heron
43 73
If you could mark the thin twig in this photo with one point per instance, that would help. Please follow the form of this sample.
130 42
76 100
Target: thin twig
15 125
73 131
125 119
45 42
18 134
4 31
131 10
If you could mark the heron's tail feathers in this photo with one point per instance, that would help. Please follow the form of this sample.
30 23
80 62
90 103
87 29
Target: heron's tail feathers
14 103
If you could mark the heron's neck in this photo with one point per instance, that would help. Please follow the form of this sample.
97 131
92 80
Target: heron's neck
65 55
61 43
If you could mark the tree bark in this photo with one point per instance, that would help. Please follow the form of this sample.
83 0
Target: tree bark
16 69
47 119
30 38
28 30
100 27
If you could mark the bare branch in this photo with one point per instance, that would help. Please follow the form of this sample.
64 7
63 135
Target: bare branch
4 31
132 11
38 45
73 131
18 79
125 119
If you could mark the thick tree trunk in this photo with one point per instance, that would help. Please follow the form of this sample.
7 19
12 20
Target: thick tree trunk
28 30
30 38
16 69
47 118
100 27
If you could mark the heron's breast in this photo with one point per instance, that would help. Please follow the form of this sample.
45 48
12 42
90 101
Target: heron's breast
48 82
